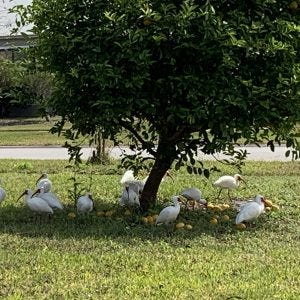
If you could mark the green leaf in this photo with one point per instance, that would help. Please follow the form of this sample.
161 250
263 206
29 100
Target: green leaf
206 173
189 169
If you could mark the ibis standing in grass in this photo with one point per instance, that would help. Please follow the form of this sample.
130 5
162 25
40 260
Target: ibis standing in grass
36 204
129 198
169 214
50 198
85 204
44 182
133 188
251 210
228 182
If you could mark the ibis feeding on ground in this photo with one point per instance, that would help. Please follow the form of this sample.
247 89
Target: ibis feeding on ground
36 204
228 182
195 195
251 210
169 214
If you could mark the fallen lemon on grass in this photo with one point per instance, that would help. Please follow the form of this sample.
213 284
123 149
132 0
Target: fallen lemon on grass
241 226
109 213
217 208
71 215
127 212
268 203
145 220
150 220
100 213
155 217
213 221
180 225
225 206
270 206
188 226
210 206
225 218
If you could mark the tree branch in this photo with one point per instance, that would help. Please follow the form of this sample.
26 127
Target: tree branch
145 145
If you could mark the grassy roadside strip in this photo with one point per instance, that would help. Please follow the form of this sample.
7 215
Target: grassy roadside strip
120 257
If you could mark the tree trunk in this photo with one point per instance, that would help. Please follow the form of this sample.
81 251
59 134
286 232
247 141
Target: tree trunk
164 159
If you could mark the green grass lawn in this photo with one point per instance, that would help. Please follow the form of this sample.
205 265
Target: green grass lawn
35 132
120 257
28 132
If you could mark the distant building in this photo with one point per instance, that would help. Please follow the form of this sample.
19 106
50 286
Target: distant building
10 45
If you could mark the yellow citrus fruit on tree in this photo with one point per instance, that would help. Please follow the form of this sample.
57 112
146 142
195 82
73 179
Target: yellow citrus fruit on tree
293 5
147 21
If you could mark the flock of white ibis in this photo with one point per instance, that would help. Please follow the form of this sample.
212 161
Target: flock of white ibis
43 200
132 189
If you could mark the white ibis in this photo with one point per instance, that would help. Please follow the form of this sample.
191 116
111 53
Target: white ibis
2 195
228 182
129 197
85 204
44 182
128 176
36 204
128 180
169 214
193 194
50 198
251 210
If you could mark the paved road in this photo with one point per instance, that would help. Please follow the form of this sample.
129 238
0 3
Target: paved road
6 152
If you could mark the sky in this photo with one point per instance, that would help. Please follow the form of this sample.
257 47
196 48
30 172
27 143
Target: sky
7 20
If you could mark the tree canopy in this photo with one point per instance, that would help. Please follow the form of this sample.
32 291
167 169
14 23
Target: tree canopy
180 76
